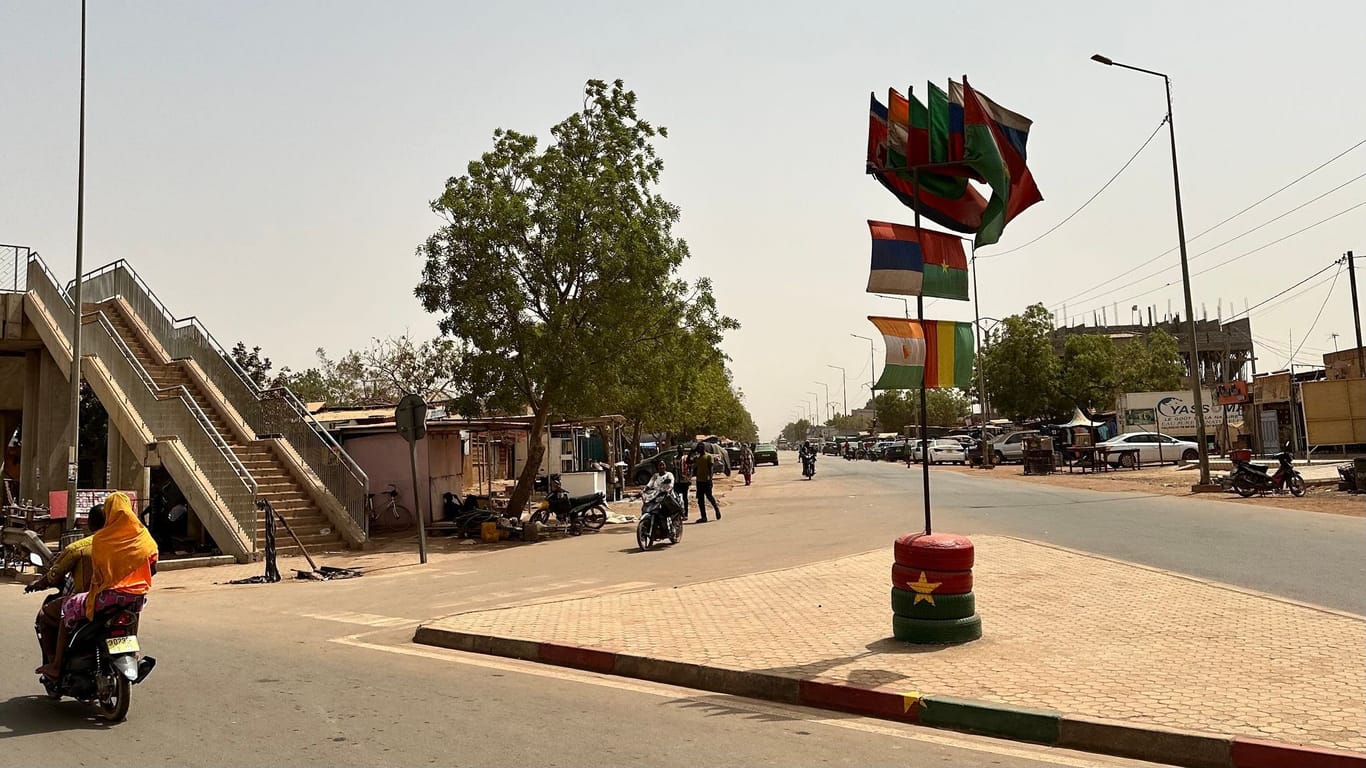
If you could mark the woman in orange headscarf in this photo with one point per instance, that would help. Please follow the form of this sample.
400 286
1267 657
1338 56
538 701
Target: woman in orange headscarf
123 559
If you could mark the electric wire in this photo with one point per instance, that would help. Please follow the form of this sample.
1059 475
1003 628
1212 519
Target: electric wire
1089 200
1189 240
1314 324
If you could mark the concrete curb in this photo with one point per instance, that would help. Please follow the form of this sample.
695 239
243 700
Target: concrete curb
1047 727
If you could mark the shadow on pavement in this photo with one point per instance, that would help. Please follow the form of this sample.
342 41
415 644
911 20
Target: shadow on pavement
715 708
37 714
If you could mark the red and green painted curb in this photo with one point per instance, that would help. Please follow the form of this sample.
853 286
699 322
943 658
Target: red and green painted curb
1047 727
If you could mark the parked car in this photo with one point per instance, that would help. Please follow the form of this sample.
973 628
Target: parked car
765 453
942 451
1011 446
1153 448
894 450
732 453
643 471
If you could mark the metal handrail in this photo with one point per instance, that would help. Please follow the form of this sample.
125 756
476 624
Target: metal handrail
159 393
181 392
169 331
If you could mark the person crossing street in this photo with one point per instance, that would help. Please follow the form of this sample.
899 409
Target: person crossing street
704 466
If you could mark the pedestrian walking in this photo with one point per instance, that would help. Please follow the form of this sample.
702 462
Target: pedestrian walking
681 483
746 462
704 466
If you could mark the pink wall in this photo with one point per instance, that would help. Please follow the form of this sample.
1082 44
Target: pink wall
384 457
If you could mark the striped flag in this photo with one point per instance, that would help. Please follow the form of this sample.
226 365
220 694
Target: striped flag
935 353
917 262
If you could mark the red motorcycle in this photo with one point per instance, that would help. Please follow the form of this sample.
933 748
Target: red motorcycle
1250 479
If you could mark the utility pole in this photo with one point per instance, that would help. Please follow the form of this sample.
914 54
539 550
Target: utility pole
844 377
73 450
1356 315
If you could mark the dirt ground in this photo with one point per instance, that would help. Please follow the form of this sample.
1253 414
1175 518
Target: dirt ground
1177 482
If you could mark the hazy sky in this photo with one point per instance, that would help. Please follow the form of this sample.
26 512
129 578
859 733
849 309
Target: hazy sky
267 166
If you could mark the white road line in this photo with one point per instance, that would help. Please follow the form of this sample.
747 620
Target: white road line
544 593
364 619
866 725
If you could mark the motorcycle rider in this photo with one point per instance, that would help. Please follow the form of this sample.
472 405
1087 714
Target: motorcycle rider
74 560
663 483
808 453
123 559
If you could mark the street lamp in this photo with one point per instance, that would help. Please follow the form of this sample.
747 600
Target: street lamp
904 302
844 377
872 378
73 447
815 398
1185 273
826 412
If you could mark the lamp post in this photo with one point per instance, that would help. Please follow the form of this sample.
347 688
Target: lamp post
872 377
844 377
74 443
1185 274
826 412
815 399
906 305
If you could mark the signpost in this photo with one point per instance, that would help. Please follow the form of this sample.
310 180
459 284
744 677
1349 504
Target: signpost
411 419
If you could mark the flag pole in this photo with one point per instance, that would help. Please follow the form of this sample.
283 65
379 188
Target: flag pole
920 318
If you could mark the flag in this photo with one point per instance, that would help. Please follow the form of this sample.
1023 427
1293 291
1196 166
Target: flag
994 145
908 135
955 120
946 132
917 262
957 207
935 353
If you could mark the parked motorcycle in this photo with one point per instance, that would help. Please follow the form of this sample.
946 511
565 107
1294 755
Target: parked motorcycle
575 512
101 663
1250 479
661 517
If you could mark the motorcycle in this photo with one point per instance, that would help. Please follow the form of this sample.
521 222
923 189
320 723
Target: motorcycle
1250 479
808 466
575 512
661 517
101 663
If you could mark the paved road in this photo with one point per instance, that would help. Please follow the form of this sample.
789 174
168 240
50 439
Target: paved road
241 681
1307 556
322 673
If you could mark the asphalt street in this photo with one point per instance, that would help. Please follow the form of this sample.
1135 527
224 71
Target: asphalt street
308 673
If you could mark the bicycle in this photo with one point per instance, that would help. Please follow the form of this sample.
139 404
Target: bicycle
391 516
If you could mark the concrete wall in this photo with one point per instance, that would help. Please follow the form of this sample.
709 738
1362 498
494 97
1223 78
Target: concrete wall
47 419
384 458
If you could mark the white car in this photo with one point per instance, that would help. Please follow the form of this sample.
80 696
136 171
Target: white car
942 451
1153 448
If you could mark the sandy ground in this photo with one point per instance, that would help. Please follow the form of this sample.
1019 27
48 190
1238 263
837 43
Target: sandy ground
1177 482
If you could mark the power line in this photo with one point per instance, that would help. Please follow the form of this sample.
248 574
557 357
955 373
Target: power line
1312 325
1189 240
1089 200
1216 266
1248 312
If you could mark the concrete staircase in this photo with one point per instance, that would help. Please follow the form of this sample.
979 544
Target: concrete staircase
278 479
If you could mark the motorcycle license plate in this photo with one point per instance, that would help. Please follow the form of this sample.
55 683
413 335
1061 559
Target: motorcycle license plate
128 644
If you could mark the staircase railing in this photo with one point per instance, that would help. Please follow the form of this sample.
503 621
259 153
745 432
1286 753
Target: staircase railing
164 410
269 412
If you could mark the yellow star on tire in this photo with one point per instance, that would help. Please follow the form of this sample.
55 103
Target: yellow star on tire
923 589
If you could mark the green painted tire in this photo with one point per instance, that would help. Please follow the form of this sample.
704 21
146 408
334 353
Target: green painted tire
935 631
943 607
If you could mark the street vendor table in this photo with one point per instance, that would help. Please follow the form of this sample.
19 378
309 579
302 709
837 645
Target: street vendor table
1097 459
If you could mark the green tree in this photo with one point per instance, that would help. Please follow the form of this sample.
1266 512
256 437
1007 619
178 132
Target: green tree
796 431
1021 366
1089 376
552 262
252 363
379 374
1150 364
848 423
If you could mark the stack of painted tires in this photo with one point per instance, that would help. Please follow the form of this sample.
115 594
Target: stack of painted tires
932 600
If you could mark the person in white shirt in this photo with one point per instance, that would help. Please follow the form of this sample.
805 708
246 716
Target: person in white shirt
663 480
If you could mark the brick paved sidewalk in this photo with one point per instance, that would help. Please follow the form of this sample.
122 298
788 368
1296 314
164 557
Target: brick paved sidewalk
1063 630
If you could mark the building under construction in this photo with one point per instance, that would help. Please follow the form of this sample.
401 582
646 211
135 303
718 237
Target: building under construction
1225 349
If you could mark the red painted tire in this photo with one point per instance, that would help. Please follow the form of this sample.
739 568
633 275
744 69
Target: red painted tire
934 551
950 582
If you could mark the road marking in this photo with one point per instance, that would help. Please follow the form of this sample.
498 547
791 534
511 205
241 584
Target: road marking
1048 755
544 593
364 619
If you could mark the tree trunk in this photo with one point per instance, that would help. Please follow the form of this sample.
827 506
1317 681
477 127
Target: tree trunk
535 451
635 446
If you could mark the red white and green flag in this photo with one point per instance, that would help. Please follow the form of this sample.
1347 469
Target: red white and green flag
937 354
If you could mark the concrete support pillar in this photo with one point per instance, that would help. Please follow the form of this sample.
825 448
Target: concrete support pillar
47 422
126 470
